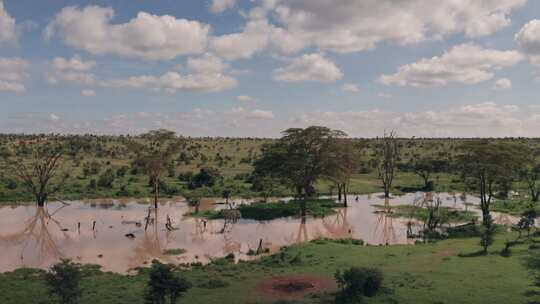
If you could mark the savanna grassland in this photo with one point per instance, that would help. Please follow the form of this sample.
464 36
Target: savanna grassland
90 159
472 263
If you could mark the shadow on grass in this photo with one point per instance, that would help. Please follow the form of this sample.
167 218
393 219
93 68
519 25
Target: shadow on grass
472 254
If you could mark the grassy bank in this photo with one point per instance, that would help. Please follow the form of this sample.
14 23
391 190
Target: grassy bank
268 211
430 273
448 215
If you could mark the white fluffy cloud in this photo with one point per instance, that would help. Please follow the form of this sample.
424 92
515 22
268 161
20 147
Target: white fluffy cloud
207 74
74 70
8 33
253 38
75 63
351 88
464 64
309 67
475 120
484 119
503 84
147 36
528 39
13 73
219 6
357 25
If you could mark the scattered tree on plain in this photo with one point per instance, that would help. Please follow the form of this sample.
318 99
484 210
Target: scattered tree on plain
153 153
38 171
299 159
387 155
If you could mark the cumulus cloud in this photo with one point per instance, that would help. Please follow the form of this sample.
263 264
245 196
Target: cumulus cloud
484 119
528 39
74 70
219 6
470 120
207 74
309 67
146 36
357 25
13 73
463 64
350 87
8 32
252 39
75 63
503 84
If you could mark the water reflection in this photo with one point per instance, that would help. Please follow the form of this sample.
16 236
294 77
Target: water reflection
123 234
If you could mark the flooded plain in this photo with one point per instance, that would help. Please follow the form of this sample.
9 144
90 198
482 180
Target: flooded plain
115 233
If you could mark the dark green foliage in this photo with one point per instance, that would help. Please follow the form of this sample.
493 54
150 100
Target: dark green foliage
357 282
11 184
163 285
207 177
106 178
63 282
214 283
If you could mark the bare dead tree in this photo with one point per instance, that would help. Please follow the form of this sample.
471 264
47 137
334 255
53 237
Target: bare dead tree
387 156
39 170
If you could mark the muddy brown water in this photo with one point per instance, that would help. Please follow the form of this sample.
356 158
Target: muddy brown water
39 237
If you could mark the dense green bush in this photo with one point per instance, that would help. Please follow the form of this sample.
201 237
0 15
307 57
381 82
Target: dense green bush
63 282
106 179
357 282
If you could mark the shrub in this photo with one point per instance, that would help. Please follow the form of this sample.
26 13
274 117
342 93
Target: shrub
63 282
163 283
106 179
357 282
11 185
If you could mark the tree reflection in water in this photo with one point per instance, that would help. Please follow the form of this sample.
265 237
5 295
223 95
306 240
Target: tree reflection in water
337 226
153 243
384 228
36 240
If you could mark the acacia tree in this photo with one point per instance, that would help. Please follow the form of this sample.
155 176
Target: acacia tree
299 159
37 168
342 165
487 166
387 154
425 167
153 153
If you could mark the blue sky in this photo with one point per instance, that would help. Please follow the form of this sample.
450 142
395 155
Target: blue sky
256 67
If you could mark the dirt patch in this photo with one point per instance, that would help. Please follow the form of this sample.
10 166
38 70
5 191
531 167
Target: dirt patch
294 285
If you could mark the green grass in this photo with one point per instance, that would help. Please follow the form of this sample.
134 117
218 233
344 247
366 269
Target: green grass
428 273
268 211
515 207
449 215
174 251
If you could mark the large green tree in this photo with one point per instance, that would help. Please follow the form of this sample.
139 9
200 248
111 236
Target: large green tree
487 167
343 163
299 158
153 153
